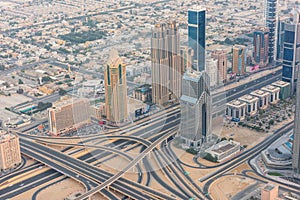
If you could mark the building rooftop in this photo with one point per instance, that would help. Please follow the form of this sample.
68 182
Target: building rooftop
248 98
269 187
236 103
281 84
224 146
259 93
270 88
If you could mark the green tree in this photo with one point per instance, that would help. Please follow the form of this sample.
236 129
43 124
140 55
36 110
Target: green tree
20 82
62 92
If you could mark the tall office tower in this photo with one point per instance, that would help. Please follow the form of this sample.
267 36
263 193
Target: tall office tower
271 10
239 53
10 154
221 57
212 70
67 115
115 89
166 63
186 55
280 38
261 46
291 49
296 142
195 126
196 34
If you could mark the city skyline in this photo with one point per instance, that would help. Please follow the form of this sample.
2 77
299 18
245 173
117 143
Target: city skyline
149 100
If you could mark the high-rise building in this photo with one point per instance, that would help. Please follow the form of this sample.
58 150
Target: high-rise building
212 71
271 15
196 35
186 54
195 126
239 59
221 57
291 49
261 46
296 142
10 154
280 38
67 115
115 89
166 63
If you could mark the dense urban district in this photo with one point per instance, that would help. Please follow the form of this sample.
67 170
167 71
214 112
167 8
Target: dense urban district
149 99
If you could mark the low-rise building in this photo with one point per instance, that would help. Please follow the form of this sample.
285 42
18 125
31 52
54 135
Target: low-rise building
224 149
252 104
68 115
263 98
236 110
10 154
98 111
143 93
274 93
285 90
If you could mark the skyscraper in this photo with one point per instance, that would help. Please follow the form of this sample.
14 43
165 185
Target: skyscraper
115 89
280 38
261 46
271 23
166 63
296 142
291 49
221 57
186 55
195 103
239 59
196 34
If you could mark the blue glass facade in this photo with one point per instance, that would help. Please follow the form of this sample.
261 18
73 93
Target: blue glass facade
290 60
196 34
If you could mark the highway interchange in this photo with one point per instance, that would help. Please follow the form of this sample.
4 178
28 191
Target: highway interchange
151 136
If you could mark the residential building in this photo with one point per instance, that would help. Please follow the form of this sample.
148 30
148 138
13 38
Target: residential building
115 89
239 55
10 154
291 49
195 126
196 35
166 63
68 115
221 57
271 15
261 47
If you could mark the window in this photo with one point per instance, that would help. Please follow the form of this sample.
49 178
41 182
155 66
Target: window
289 36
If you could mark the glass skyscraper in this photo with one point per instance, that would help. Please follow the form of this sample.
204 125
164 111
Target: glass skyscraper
196 34
291 49
195 126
